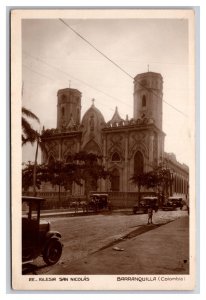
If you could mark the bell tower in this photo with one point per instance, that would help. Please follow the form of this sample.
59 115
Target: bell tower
68 107
148 94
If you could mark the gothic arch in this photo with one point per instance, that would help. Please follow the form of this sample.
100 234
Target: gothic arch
68 157
62 111
141 147
115 180
144 101
115 157
51 158
92 147
138 163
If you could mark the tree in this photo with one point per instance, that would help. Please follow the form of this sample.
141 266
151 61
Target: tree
29 135
161 179
27 175
90 169
57 173
63 174
140 179
82 166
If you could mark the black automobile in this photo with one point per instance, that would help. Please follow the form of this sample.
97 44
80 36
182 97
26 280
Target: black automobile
37 237
173 203
146 202
99 201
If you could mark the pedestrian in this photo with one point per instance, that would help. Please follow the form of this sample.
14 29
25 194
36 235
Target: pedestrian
150 214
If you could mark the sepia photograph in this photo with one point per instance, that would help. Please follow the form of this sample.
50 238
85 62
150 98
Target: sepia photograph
103 149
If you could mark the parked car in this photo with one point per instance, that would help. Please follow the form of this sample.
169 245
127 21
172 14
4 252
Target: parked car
37 237
146 202
98 202
172 203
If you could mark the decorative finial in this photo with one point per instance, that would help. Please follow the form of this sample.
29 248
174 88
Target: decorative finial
93 101
69 83
147 68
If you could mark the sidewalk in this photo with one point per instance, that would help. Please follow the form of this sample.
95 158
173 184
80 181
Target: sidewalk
163 250
66 212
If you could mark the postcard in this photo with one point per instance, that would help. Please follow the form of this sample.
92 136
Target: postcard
103 149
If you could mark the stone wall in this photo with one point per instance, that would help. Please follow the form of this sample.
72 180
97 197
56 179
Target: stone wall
118 199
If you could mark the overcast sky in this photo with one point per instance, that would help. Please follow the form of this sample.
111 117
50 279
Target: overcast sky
53 57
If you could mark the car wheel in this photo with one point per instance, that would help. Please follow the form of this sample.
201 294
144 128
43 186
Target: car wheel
53 252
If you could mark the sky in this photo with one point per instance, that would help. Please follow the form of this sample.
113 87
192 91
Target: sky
54 57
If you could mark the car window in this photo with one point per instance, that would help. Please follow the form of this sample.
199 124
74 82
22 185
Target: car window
25 210
34 211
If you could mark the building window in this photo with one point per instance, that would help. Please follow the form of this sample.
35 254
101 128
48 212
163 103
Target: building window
115 157
51 160
78 115
115 180
138 163
63 111
144 102
64 98
69 158
91 123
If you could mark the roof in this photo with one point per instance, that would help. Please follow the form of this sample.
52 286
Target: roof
147 74
149 197
68 90
30 198
116 117
95 111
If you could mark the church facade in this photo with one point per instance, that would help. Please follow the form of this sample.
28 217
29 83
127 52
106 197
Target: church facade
126 145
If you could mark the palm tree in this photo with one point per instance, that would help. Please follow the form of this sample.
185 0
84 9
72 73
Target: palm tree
29 135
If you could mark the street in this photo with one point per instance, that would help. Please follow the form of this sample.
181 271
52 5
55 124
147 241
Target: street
85 235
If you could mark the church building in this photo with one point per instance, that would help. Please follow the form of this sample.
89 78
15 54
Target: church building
126 145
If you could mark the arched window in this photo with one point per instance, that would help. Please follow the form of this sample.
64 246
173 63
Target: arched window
91 123
115 180
78 115
115 157
92 147
138 163
63 111
144 102
69 158
51 160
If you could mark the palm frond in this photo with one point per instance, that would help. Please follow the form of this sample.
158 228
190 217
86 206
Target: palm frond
29 114
29 134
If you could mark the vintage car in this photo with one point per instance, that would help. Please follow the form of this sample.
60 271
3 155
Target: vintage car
37 238
98 202
173 203
146 202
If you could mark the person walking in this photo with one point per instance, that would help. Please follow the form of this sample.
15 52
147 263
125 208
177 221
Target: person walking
150 214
